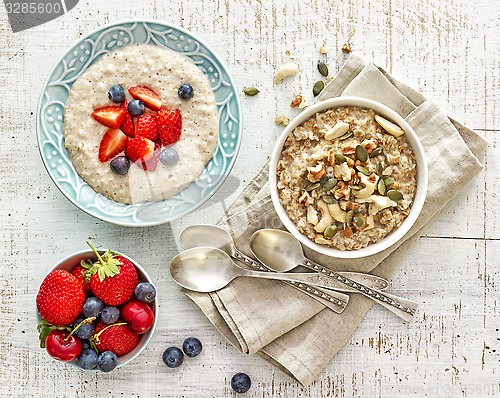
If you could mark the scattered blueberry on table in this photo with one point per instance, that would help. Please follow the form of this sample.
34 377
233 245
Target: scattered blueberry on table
192 347
241 382
173 357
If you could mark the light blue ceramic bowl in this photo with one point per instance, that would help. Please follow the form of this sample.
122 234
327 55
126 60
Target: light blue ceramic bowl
75 61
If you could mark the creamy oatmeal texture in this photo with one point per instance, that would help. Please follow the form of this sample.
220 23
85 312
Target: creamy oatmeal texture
344 180
163 71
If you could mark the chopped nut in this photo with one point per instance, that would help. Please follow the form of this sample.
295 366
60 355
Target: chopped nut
343 192
296 102
312 215
343 171
378 203
316 172
369 145
337 131
306 199
337 213
289 69
323 49
326 218
369 187
391 128
346 48
282 120
347 231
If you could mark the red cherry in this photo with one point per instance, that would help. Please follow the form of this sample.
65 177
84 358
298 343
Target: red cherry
139 315
62 348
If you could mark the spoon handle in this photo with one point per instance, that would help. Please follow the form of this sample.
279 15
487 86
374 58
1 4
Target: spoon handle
333 300
402 307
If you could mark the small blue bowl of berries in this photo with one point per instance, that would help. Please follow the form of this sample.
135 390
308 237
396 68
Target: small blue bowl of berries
96 309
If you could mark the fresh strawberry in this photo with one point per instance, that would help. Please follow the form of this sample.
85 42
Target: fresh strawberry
127 125
117 338
152 162
113 142
60 298
113 279
169 125
111 116
79 273
145 126
147 96
139 148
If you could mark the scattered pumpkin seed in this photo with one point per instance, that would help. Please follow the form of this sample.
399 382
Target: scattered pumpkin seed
251 91
323 69
329 199
380 169
394 195
330 184
363 170
358 219
361 153
381 187
330 231
318 87
356 187
312 186
388 181
346 136
340 158
376 152
349 217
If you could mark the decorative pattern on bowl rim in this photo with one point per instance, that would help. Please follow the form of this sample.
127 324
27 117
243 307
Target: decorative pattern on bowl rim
51 109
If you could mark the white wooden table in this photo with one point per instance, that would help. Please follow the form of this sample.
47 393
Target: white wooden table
447 49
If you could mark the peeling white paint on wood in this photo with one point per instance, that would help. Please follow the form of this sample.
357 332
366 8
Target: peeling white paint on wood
447 49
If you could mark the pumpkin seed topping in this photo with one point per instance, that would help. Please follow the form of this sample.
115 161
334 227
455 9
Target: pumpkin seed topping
381 187
330 184
312 186
330 231
340 158
361 153
376 152
394 195
358 219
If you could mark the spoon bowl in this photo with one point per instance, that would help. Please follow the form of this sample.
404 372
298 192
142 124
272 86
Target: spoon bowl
207 235
203 269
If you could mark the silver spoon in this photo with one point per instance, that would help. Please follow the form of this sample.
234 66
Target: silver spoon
281 252
207 269
213 236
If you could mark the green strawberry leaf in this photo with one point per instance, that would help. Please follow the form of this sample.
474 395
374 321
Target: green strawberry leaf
86 264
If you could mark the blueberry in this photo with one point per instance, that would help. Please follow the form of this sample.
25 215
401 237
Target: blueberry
191 347
116 93
110 315
107 361
241 382
92 307
173 357
135 107
145 292
120 165
169 156
87 359
185 91
85 344
85 331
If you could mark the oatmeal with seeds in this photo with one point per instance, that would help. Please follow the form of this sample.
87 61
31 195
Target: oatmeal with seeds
347 177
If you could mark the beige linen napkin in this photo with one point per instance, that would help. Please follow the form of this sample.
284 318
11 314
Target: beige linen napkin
280 323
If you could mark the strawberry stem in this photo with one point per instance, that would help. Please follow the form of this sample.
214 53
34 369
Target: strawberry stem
87 320
96 253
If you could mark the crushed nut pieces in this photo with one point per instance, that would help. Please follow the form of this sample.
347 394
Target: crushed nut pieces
346 177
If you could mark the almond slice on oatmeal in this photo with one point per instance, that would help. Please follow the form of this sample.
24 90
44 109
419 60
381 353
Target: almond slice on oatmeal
391 128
